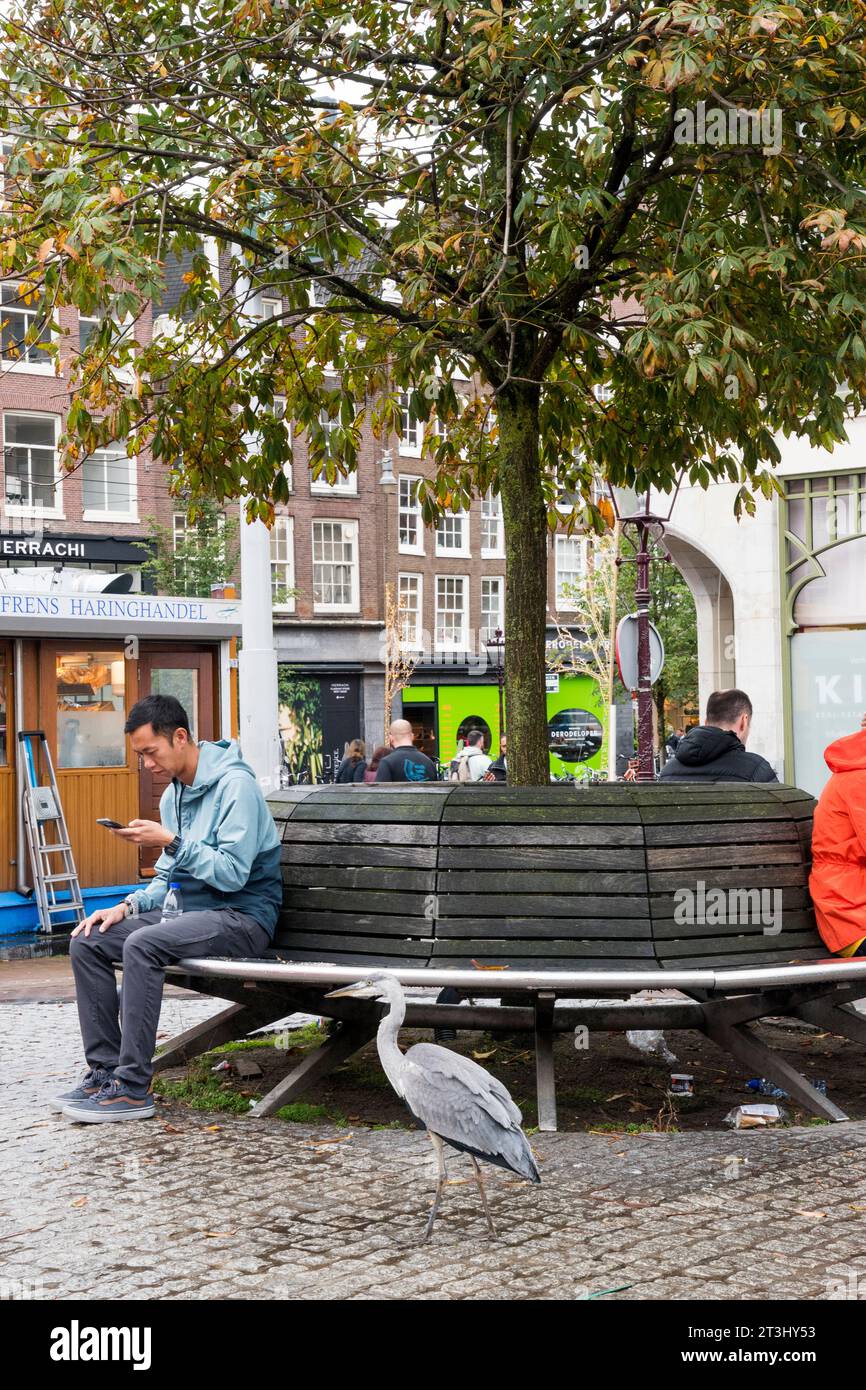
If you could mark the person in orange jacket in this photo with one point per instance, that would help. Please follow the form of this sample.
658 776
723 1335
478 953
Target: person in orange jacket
837 882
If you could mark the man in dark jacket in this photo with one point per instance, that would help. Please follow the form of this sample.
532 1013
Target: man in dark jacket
716 751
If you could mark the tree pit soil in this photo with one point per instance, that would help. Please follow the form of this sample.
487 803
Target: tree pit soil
607 1087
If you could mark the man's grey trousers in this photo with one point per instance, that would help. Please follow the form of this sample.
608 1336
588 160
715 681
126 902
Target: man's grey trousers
145 945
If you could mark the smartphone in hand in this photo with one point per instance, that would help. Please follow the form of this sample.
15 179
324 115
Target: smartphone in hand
110 824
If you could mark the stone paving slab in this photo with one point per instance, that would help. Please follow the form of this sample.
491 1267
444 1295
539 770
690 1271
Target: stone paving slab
217 1207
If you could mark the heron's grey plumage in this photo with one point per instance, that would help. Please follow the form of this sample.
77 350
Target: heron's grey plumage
450 1095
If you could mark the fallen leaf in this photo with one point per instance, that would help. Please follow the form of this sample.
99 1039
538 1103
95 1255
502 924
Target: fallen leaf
816 1215
479 966
218 1233
210 1128
620 1095
482 1056
171 1129
80 1202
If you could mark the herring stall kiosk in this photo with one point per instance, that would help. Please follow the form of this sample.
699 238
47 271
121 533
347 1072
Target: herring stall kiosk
77 649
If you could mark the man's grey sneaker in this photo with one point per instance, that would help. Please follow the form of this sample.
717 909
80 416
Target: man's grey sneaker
114 1101
90 1083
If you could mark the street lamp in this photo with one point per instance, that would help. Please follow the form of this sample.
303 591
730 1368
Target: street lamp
649 527
497 645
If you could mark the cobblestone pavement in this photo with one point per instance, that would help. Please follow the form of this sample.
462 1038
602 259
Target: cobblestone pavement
195 1206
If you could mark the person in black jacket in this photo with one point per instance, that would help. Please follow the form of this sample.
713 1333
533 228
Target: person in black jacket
353 763
716 750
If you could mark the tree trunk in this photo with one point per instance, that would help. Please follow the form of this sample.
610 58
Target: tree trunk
525 523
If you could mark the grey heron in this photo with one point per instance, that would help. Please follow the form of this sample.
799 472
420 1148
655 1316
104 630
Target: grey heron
455 1100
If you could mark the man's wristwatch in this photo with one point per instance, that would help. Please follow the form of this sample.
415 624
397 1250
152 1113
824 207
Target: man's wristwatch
131 907
173 847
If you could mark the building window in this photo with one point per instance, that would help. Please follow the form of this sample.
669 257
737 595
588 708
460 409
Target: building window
283 564
20 316
344 485
452 609
452 534
410 523
492 607
30 454
88 324
492 534
335 566
411 429
109 485
261 307
196 544
410 593
570 569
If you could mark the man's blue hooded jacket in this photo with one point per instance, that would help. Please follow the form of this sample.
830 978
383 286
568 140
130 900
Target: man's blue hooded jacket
230 850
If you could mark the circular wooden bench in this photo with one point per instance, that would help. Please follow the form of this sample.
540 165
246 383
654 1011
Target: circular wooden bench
527 897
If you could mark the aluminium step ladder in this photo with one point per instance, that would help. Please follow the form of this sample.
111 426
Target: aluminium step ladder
51 858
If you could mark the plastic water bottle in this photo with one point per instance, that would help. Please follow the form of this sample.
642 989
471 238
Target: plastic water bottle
172 903
766 1088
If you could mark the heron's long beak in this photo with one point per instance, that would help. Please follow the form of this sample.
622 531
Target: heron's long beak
350 992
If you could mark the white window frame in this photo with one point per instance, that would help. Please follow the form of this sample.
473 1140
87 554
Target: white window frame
409 448
416 641
461 552
562 603
413 510
116 452
178 532
283 522
488 630
20 364
344 485
261 307
353 606
24 509
496 552
462 644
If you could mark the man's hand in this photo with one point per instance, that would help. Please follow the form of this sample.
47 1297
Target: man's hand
106 916
145 832
863 722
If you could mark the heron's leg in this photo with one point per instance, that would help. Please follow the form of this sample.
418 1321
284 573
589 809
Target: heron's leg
478 1178
439 1148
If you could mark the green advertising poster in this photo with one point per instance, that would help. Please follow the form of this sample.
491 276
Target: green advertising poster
574 710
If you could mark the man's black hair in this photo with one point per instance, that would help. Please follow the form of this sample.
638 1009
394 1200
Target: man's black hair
474 737
164 712
726 706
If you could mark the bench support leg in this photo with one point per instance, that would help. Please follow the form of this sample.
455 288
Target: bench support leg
348 1039
234 1022
544 1073
739 1040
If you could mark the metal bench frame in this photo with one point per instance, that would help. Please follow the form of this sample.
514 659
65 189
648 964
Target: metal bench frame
722 1004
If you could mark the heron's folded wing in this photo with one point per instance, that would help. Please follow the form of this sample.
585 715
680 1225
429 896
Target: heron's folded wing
449 1080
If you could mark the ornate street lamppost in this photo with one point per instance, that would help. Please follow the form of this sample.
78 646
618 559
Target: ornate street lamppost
497 645
648 528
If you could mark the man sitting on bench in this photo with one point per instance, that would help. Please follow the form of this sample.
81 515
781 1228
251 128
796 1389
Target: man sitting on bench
221 848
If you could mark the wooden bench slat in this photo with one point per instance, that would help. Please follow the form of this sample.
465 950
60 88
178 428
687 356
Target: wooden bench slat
735 832
559 857
387 856
544 881
575 905
325 833
513 833
730 855
713 876
552 928
377 877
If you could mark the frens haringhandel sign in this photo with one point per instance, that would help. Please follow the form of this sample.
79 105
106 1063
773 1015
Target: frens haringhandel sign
118 614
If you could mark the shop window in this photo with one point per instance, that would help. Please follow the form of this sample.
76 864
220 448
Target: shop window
91 709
